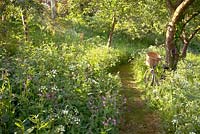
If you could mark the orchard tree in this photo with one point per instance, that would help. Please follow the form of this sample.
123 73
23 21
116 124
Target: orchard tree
147 17
115 12
109 12
183 24
137 18
190 26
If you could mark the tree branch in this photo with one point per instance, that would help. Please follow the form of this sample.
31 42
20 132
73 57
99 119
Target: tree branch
183 37
180 9
178 2
170 6
193 34
189 19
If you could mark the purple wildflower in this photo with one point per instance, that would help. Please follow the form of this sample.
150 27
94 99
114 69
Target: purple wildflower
114 122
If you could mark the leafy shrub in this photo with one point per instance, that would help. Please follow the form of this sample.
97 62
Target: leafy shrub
103 57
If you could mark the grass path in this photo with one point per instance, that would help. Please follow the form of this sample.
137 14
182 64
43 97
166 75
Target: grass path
138 118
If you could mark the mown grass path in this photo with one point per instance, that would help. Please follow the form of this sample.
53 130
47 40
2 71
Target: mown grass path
137 117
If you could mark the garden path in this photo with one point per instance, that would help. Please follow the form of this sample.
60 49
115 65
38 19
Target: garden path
137 118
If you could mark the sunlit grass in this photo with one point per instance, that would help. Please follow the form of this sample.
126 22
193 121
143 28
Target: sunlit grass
176 98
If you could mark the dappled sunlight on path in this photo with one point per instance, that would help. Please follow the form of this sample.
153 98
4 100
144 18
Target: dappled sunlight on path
137 117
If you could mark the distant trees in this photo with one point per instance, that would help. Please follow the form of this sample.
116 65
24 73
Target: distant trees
136 18
15 10
111 12
114 11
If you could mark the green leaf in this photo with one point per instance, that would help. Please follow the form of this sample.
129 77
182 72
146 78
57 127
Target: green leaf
34 119
30 130
19 125
44 125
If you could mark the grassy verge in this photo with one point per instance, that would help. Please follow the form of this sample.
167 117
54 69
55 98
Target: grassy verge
57 83
177 97
54 89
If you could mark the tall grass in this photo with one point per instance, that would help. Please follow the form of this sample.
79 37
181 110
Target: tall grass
177 96
60 89
57 83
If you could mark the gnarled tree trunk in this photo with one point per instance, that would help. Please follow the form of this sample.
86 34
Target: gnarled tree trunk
176 10
172 53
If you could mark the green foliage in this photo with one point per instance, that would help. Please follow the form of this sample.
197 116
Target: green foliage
139 65
180 91
54 89
138 19
58 83
177 96
145 18
108 55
